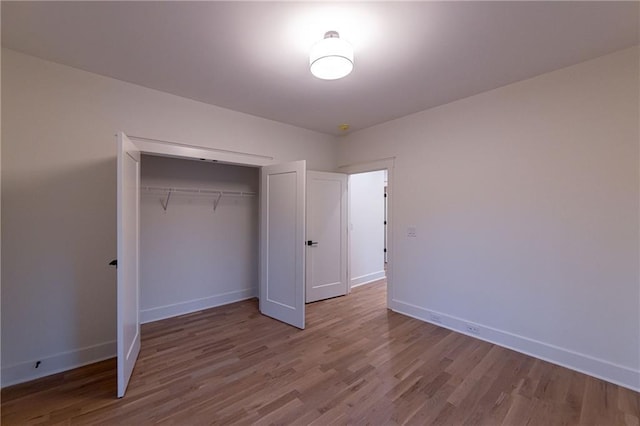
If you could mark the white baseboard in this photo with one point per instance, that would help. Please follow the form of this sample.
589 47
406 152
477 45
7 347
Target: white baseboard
602 369
366 279
181 308
26 371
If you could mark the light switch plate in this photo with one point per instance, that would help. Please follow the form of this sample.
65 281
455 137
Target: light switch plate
411 232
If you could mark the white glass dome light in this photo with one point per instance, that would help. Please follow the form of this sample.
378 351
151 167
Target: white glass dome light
331 58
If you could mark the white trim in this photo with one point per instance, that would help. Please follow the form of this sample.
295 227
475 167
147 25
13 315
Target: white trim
26 371
366 279
181 308
367 166
179 150
602 369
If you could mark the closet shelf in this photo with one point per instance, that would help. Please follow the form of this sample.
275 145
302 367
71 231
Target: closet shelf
195 191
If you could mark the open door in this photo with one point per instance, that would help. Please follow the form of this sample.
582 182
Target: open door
282 239
326 267
128 263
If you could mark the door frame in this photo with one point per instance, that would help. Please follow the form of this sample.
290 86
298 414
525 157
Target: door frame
175 150
180 150
374 166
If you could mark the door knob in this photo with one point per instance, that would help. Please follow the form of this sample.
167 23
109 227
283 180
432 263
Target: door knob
312 243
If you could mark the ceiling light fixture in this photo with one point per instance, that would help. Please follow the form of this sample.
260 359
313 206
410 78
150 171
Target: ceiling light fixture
331 58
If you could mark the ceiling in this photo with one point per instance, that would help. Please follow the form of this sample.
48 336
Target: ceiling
253 56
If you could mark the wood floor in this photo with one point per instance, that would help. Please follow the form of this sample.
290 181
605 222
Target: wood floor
356 363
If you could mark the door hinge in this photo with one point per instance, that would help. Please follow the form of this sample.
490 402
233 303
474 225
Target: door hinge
385 222
385 250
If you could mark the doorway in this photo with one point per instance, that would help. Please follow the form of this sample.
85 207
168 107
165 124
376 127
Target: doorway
281 276
384 164
367 227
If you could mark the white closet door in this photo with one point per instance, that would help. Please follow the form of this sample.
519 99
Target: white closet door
282 238
128 195
326 235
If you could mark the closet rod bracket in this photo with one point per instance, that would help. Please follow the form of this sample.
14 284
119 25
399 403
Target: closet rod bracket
165 204
216 201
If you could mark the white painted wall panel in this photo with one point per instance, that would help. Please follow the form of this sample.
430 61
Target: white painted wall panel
58 198
525 201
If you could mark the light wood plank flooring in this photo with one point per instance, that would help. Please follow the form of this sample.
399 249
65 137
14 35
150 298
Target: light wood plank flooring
356 363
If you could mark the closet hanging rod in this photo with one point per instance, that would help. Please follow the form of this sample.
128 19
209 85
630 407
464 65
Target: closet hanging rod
197 191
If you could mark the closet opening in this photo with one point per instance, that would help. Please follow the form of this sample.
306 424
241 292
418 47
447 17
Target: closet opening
199 235
181 181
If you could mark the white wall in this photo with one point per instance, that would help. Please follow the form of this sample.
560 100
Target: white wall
59 198
525 202
366 227
192 257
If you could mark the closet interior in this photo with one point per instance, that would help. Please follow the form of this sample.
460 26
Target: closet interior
199 236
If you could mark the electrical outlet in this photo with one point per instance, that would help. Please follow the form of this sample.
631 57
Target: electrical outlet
412 232
435 318
473 329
